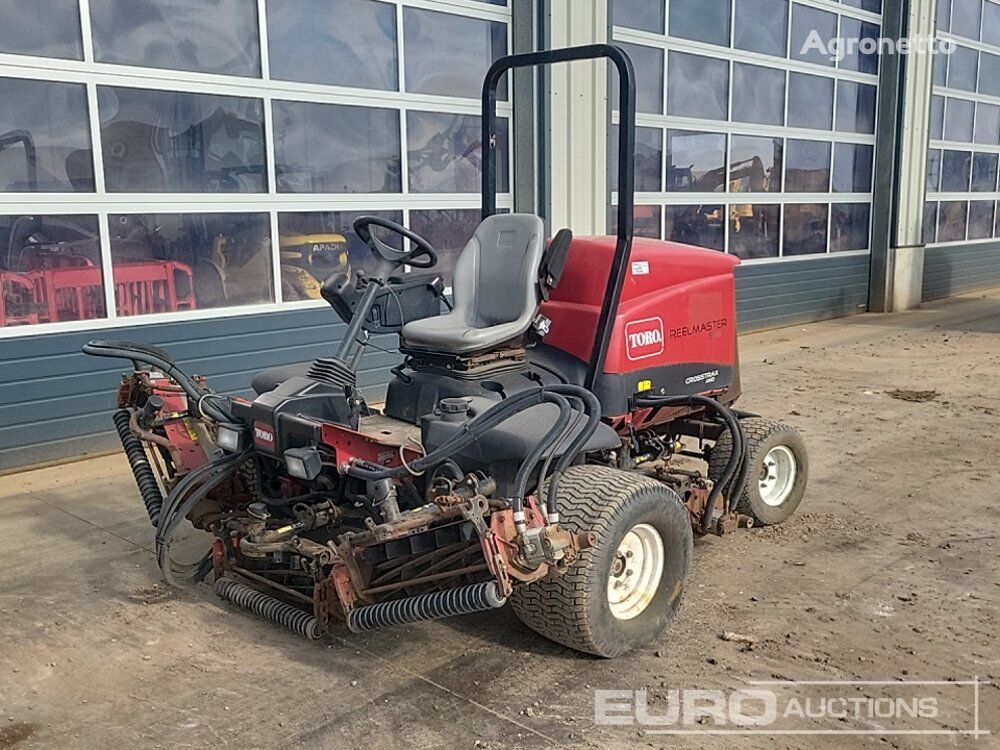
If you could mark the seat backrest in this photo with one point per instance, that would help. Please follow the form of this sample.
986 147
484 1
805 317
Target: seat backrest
496 276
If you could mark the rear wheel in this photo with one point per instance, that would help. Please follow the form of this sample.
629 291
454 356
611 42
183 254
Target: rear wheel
623 592
778 471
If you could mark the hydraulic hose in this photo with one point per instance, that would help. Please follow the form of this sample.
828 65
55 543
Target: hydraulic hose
202 399
149 489
179 504
470 432
531 460
592 408
736 467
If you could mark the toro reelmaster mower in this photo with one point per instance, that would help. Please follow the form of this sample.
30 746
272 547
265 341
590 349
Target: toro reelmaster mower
528 448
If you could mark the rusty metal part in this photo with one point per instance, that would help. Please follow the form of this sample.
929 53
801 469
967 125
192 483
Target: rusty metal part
722 523
273 584
450 493
297 545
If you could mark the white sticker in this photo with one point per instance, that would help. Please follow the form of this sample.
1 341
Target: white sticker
640 268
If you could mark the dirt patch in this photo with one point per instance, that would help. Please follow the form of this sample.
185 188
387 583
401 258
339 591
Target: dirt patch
12 735
917 397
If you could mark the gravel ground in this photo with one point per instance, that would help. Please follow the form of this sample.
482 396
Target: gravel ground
890 571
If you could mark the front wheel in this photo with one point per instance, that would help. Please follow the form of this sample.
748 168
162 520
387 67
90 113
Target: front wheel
778 469
623 592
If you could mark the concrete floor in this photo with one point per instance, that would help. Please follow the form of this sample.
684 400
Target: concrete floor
891 570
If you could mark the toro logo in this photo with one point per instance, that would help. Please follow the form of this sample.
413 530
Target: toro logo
644 338
263 435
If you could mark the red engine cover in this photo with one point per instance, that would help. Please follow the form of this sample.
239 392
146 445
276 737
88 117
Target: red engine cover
677 305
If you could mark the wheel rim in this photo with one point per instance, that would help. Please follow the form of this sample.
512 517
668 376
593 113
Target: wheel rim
777 475
636 570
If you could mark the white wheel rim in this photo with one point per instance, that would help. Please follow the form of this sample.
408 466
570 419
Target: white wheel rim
636 570
777 475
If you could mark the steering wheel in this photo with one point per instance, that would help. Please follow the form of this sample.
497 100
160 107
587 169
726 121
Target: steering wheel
423 254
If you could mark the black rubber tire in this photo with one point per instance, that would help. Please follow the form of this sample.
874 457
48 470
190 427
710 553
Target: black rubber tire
762 435
573 609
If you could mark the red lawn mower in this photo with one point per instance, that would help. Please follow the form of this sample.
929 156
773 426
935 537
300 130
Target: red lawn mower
529 445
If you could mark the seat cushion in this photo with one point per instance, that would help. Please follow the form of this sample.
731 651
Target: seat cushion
451 334
271 378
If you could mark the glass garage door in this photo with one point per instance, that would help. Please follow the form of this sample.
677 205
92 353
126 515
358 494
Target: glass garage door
175 159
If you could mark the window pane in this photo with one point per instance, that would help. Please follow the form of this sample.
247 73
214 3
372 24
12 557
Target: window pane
769 38
168 262
754 230
849 226
989 74
646 221
755 164
951 221
930 223
340 42
980 220
448 230
959 115
805 21
852 168
697 87
808 166
448 54
991 24
810 101
937 118
940 70
648 159
445 152
696 162
700 20
855 107
208 36
316 245
996 225
966 16
648 63
805 228
702 226
872 6
44 137
963 66
49 28
166 142
336 148
984 173
758 94
956 168
933 170
864 33
50 270
638 14
943 15
987 124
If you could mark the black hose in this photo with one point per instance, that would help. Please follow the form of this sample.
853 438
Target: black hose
470 432
535 455
736 466
149 489
592 408
201 397
179 504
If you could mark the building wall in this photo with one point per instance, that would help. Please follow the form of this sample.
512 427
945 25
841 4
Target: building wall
961 220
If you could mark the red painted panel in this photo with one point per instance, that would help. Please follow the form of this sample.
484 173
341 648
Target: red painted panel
677 305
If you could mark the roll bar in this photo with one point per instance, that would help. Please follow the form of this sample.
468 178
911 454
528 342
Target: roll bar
626 167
